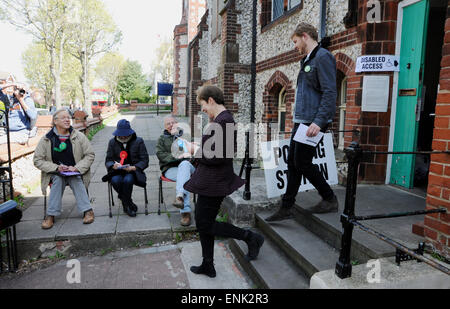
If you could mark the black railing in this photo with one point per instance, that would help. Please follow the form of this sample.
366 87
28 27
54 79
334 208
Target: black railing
247 162
343 269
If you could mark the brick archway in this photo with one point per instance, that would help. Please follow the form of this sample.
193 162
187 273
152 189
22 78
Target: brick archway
345 64
276 83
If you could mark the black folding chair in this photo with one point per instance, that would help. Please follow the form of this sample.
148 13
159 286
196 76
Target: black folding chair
111 198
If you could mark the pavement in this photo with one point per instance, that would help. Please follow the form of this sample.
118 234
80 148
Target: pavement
154 267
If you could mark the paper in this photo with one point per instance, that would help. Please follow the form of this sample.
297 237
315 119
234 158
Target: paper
69 174
301 137
375 95
123 167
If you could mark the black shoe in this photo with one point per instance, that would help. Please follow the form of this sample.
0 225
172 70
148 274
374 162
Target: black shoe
254 242
281 214
134 207
128 208
325 206
207 268
124 206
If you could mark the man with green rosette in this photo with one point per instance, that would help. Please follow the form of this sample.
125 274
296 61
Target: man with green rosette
65 155
315 107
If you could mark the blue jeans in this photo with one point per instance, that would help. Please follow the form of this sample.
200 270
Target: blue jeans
181 175
123 184
56 193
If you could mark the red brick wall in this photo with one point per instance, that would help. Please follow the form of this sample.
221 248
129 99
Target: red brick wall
179 31
376 38
437 226
276 83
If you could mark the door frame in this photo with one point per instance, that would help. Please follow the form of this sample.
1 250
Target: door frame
398 45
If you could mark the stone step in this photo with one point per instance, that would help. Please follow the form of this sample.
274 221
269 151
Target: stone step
370 200
308 251
272 269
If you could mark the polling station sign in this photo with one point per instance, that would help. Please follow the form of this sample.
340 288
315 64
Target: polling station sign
275 158
378 63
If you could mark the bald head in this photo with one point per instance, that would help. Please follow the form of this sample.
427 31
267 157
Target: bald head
169 122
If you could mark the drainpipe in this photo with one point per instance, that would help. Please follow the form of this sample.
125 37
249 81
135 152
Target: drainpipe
324 40
253 65
248 160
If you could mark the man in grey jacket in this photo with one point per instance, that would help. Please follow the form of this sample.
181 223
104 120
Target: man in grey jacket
315 106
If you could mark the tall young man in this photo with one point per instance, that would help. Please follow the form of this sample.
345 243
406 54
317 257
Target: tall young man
315 106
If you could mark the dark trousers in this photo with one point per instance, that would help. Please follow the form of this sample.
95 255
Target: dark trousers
123 184
206 211
300 164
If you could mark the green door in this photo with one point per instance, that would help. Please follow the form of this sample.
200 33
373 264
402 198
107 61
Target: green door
410 85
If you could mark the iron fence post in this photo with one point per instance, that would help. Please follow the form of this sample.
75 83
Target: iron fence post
248 167
354 155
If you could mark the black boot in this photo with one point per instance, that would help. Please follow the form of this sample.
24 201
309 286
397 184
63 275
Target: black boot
254 242
207 268
128 208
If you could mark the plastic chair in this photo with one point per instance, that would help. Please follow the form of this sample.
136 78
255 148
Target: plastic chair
161 195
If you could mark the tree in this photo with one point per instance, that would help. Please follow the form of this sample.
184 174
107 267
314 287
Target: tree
93 33
108 69
36 61
46 21
132 82
162 65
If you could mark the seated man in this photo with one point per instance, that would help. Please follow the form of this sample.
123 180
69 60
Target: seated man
126 160
176 168
22 113
65 156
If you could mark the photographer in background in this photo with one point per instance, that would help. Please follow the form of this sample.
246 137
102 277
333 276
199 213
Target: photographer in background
22 112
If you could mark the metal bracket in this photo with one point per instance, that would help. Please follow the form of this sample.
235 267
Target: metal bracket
401 256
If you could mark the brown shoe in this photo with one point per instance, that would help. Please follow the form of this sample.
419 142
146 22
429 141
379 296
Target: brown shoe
88 217
48 223
185 219
179 202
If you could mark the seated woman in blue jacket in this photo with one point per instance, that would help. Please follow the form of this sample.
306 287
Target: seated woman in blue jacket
126 160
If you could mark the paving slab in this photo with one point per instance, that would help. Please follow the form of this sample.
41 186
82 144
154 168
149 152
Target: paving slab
229 274
143 223
74 228
32 231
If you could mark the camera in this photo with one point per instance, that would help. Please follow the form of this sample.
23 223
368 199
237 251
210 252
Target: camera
21 90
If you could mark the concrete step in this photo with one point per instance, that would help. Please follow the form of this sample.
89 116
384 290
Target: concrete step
306 250
370 200
272 269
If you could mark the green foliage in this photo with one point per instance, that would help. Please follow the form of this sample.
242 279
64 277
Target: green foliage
132 82
222 217
178 238
94 131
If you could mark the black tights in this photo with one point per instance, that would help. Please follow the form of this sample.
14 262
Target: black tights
206 211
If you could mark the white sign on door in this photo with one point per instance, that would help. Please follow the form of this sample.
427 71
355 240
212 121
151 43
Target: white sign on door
378 63
275 156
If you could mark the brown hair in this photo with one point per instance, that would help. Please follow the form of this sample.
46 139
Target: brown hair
306 28
206 92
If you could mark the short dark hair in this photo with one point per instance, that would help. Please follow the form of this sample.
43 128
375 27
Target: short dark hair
206 92
306 28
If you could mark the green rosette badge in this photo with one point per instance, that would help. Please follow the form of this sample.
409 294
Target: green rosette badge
307 69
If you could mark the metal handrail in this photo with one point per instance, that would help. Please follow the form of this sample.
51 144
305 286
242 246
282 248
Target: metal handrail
349 220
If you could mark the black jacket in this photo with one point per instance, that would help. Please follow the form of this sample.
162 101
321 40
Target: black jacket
137 156
215 176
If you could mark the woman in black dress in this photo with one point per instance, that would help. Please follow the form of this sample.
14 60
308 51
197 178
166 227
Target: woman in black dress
213 180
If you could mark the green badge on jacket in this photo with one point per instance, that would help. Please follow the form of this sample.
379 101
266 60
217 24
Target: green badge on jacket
307 69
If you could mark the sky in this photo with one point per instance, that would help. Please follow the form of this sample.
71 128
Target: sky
144 24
